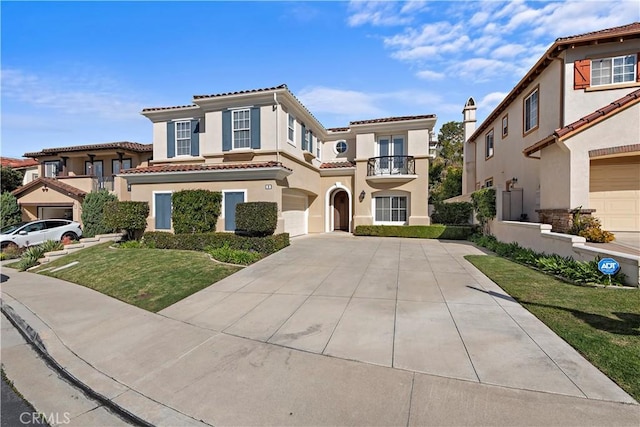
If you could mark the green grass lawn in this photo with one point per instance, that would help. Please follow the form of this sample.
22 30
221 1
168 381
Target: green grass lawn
148 278
603 324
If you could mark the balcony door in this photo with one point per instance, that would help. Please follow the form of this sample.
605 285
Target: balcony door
94 169
392 154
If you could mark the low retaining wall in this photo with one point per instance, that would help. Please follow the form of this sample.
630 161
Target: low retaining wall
540 238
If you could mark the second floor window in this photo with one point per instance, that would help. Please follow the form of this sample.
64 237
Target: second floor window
291 129
531 111
115 165
51 169
619 69
307 144
505 126
241 129
183 138
488 144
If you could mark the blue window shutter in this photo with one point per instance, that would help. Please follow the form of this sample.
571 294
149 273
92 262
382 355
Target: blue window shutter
302 140
163 211
226 130
195 137
255 127
171 140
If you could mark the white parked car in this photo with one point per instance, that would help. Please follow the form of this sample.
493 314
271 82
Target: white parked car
36 232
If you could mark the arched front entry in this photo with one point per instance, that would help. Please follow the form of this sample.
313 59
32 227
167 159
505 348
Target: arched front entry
340 211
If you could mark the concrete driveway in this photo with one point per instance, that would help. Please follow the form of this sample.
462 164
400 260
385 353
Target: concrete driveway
415 305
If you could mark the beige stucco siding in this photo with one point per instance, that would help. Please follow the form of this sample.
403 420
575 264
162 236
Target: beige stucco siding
581 102
35 197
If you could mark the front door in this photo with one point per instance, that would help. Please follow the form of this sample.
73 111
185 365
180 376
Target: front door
341 211
231 199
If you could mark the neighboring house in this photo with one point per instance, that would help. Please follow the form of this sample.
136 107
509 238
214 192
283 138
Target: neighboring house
264 145
67 174
567 136
29 167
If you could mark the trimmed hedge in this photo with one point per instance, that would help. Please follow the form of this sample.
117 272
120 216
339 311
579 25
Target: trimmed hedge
202 241
195 211
416 231
457 213
93 221
127 215
256 218
581 272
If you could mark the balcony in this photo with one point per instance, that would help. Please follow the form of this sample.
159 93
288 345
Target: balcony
391 169
102 183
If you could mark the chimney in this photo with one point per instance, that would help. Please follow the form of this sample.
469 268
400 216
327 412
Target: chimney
469 150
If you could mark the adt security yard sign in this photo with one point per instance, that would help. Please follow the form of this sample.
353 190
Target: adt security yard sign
608 266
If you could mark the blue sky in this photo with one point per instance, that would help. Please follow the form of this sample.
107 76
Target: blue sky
80 72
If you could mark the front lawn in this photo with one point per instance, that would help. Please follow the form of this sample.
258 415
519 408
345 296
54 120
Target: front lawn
603 324
152 279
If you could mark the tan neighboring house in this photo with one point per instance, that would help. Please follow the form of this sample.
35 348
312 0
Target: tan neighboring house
264 145
566 136
67 174
29 167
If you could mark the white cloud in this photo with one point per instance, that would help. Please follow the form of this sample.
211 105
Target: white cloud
490 100
509 50
337 101
70 94
430 75
377 13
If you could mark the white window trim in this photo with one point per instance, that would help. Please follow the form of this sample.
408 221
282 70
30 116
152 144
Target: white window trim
308 138
487 154
318 149
536 91
335 147
386 194
153 208
182 139
51 163
291 141
233 129
611 59
224 199
391 138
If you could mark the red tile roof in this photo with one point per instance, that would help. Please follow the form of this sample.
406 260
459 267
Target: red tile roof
17 163
603 36
59 186
588 120
167 168
123 145
266 89
176 107
393 119
336 165
631 98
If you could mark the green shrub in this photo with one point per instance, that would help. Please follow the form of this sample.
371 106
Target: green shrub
581 272
233 256
9 210
589 227
256 218
484 203
195 211
93 222
12 252
131 244
458 213
51 246
416 231
200 241
128 216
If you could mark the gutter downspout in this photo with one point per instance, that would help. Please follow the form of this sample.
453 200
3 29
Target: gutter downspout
275 99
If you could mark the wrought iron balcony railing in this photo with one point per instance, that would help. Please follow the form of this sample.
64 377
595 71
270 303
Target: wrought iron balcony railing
102 183
391 165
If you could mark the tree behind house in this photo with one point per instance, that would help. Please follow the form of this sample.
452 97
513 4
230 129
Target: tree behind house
445 171
10 179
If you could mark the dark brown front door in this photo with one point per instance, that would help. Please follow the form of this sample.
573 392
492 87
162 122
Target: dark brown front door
341 211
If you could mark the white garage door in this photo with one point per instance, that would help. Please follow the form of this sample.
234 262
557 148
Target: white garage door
294 213
614 192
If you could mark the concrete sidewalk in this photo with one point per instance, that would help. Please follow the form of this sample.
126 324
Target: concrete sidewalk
170 372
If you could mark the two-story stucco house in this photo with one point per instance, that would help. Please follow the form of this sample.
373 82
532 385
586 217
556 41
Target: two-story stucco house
66 174
264 145
566 136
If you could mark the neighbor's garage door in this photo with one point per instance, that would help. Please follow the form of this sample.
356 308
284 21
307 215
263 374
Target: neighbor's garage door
614 192
294 213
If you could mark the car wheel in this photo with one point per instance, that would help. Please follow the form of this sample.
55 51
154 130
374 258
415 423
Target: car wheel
8 246
69 235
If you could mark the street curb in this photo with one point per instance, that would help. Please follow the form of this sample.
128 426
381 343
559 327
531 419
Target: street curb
33 338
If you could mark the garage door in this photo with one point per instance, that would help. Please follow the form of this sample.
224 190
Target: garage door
294 213
614 192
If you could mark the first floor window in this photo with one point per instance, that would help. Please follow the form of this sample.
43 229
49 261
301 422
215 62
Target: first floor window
619 69
391 209
241 129
488 144
183 138
531 111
